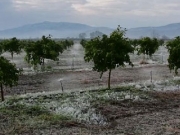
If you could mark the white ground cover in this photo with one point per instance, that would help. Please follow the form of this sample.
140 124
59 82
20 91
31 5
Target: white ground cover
78 106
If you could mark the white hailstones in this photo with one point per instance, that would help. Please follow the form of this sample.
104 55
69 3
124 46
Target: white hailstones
176 78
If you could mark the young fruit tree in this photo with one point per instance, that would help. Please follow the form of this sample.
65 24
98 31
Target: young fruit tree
12 45
108 51
38 51
8 75
146 46
173 47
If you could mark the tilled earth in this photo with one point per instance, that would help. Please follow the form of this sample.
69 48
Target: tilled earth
85 79
159 116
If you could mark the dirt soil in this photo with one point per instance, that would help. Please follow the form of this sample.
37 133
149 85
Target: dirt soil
159 116
85 79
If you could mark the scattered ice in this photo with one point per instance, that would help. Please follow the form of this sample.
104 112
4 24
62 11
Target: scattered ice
176 78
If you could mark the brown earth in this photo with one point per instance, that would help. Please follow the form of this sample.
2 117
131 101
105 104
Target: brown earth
85 80
159 116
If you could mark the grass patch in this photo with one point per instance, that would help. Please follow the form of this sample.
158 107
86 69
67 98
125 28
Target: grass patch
18 118
54 118
23 109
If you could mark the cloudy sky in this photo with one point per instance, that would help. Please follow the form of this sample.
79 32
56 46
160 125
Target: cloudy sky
110 13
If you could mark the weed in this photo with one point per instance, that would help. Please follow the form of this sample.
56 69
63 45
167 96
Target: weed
22 109
53 118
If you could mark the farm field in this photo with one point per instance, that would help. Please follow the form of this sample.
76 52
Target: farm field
69 88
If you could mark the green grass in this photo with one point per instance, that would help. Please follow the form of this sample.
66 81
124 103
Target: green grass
17 118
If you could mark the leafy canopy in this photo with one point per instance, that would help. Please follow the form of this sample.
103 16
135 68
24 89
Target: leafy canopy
106 52
8 74
173 47
12 45
147 45
46 48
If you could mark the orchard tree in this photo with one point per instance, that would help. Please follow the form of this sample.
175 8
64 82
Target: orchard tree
65 44
38 51
8 75
147 46
173 47
106 52
12 45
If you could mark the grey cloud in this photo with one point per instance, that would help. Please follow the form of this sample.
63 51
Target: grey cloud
128 13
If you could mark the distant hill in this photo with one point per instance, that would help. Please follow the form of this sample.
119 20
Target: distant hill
170 30
56 29
66 29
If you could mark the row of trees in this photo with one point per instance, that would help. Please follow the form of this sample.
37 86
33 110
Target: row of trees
105 51
46 48
36 52
108 51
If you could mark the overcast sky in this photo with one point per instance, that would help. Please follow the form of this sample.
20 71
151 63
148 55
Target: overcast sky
110 13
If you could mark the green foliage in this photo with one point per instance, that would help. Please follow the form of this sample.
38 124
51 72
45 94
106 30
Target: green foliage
134 43
8 74
46 48
83 42
53 118
12 45
107 52
173 47
161 42
22 109
147 45
66 44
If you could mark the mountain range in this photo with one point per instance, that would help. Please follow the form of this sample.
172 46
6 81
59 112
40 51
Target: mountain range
67 29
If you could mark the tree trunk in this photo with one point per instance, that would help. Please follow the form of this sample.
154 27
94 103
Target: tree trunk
2 92
109 79
12 55
42 66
